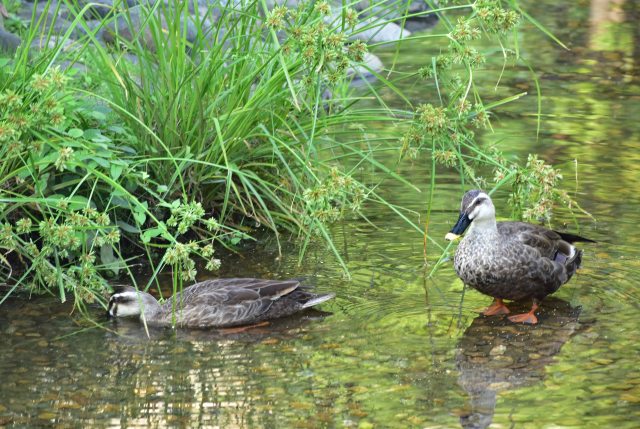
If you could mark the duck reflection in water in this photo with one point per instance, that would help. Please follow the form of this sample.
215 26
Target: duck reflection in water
495 355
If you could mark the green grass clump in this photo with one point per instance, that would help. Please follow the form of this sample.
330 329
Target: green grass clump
233 116
195 144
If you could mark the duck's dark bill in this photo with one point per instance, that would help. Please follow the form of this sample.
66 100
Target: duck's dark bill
459 228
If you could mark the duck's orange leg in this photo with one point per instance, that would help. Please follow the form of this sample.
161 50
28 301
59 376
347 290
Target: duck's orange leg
496 307
529 317
242 328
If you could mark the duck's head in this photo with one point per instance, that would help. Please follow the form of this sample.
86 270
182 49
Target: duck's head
476 207
128 302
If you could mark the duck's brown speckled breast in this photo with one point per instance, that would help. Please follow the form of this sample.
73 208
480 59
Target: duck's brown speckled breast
499 269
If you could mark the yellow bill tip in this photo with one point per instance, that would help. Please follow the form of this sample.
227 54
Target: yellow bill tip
451 236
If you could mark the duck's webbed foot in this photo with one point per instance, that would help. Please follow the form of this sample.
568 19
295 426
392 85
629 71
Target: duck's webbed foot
497 307
529 317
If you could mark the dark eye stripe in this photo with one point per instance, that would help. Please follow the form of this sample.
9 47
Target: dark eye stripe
111 306
479 201
119 298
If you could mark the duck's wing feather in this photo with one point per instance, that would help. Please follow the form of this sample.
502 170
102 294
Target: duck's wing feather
220 315
544 240
236 290
546 258
230 302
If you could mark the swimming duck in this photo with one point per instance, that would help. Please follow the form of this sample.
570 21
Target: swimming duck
510 260
219 303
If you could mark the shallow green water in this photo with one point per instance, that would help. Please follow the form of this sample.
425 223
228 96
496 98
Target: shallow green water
396 350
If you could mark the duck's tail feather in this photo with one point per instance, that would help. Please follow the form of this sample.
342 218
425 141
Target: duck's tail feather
573 238
318 300
568 255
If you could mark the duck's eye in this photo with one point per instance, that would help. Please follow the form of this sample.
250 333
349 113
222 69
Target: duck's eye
118 299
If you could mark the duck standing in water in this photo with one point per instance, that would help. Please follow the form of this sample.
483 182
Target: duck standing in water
510 260
219 303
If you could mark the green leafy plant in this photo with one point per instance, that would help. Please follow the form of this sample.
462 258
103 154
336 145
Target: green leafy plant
51 225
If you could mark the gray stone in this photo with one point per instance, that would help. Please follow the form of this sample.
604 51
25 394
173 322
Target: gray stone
9 42
51 43
388 10
102 8
391 8
80 68
3 14
372 30
199 9
133 59
291 4
128 23
370 64
394 10
52 9
54 21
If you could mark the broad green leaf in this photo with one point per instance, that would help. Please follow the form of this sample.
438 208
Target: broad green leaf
139 213
119 201
76 133
108 258
128 227
116 171
128 149
101 161
150 233
96 136
98 115
41 183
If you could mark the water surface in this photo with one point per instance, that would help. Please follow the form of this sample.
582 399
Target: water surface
396 349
